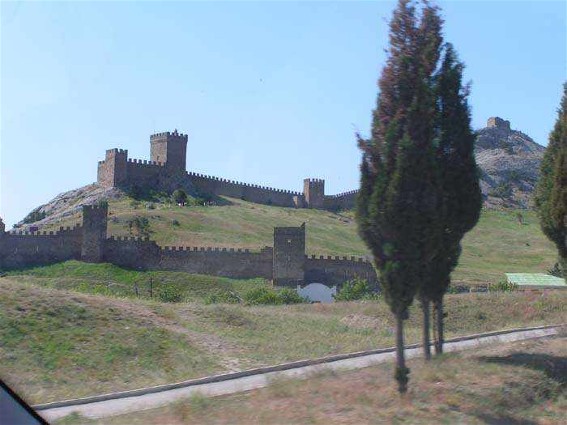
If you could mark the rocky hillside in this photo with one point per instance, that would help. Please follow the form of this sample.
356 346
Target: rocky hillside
67 204
509 161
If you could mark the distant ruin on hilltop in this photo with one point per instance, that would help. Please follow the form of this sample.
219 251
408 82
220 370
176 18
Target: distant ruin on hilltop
166 171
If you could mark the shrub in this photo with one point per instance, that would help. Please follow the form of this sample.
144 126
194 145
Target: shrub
290 296
140 224
503 286
174 222
268 296
262 296
34 216
227 297
169 294
356 289
179 196
556 270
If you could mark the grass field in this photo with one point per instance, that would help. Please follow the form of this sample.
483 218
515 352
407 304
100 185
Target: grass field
498 244
61 343
519 383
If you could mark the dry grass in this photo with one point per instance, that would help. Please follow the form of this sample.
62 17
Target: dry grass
519 383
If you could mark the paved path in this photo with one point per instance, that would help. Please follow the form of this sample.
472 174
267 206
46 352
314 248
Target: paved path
149 398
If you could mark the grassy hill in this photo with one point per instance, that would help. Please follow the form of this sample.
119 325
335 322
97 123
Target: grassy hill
498 244
59 343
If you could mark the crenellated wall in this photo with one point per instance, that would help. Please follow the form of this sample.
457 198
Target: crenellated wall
166 172
227 262
337 270
24 249
248 192
285 263
340 201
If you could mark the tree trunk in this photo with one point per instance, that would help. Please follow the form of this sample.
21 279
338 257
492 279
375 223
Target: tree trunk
402 371
439 317
425 307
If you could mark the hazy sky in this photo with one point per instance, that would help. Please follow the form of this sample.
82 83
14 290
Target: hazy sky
269 92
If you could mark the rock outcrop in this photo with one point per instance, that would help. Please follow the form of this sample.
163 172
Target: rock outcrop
509 161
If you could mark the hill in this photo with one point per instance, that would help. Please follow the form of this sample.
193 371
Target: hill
509 161
498 244
61 343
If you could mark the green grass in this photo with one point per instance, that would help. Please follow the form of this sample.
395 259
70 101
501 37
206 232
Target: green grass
498 244
110 280
57 344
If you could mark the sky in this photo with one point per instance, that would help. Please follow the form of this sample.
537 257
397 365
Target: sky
269 92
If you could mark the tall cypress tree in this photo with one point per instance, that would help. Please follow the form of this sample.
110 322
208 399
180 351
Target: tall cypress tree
551 193
460 189
398 202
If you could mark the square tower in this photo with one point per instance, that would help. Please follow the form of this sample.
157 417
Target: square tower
289 256
94 232
314 193
170 149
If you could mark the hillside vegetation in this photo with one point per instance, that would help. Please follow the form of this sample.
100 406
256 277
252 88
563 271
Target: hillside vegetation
518 383
61 343
498 244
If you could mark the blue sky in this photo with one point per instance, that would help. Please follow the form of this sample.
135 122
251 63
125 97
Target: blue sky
269 92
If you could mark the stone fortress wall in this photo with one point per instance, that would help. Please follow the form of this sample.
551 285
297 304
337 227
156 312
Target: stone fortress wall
285 263
166 170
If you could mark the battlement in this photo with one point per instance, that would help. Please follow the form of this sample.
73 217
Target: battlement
340 195
337 258
167 134
193 174
144 162
169 149
497 122
116 151
95 207
207 249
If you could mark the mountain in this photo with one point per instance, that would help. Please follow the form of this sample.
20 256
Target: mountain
509 161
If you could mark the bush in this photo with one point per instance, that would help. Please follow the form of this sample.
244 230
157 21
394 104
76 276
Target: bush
140 224
179 196
503 286
228 297
356 289
169 294
34 216
556 270
290 296
268 296
174 222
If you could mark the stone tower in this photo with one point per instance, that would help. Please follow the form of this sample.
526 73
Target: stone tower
112 172
289 256
94 232
314 192
170 149
497 122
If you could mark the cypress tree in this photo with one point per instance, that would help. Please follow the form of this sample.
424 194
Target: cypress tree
398 202
460 189
551 193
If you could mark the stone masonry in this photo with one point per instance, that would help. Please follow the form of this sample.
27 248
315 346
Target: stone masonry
166 170
285 263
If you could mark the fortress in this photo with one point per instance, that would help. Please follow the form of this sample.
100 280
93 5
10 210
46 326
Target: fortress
285 263
166 171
